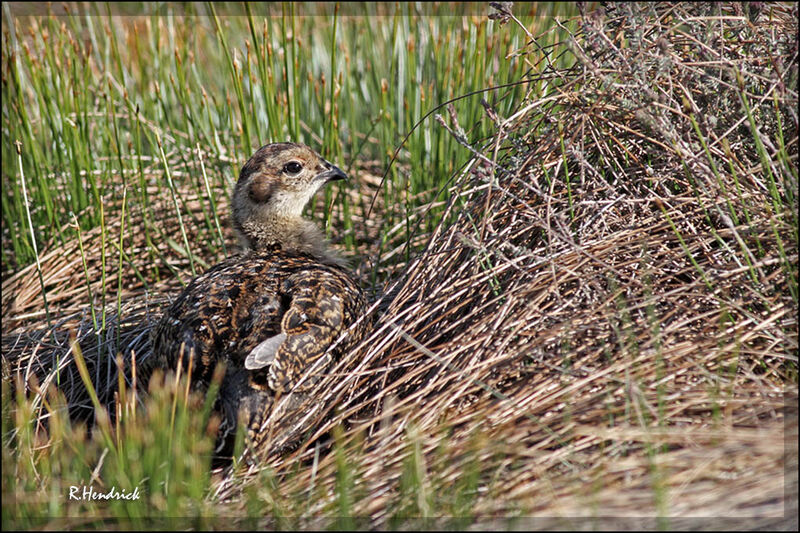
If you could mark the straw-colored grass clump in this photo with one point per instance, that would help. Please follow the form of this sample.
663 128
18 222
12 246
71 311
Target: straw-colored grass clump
605 321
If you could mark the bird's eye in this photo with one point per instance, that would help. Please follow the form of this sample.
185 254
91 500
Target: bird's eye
292 167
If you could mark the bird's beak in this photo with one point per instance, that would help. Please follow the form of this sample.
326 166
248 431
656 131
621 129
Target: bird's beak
333 173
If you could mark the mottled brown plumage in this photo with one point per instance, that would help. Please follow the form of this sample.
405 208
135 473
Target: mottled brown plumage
272 311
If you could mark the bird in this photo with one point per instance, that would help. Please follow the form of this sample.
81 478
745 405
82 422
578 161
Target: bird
274 309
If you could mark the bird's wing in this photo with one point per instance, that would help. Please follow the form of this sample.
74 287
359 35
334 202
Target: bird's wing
264 354
312 322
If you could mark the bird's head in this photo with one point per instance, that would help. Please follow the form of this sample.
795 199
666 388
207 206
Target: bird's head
273 188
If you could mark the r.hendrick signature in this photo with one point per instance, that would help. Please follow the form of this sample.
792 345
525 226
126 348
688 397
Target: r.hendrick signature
89 493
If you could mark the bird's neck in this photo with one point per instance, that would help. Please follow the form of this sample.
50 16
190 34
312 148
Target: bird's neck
290 234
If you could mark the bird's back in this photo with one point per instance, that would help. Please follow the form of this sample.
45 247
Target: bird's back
226 312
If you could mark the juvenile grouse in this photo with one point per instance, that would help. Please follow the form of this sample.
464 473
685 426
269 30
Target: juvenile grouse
271 311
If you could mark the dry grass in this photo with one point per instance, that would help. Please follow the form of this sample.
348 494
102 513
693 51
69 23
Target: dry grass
605 322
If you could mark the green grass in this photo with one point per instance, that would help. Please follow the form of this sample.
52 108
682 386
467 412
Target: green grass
93 99
163 448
